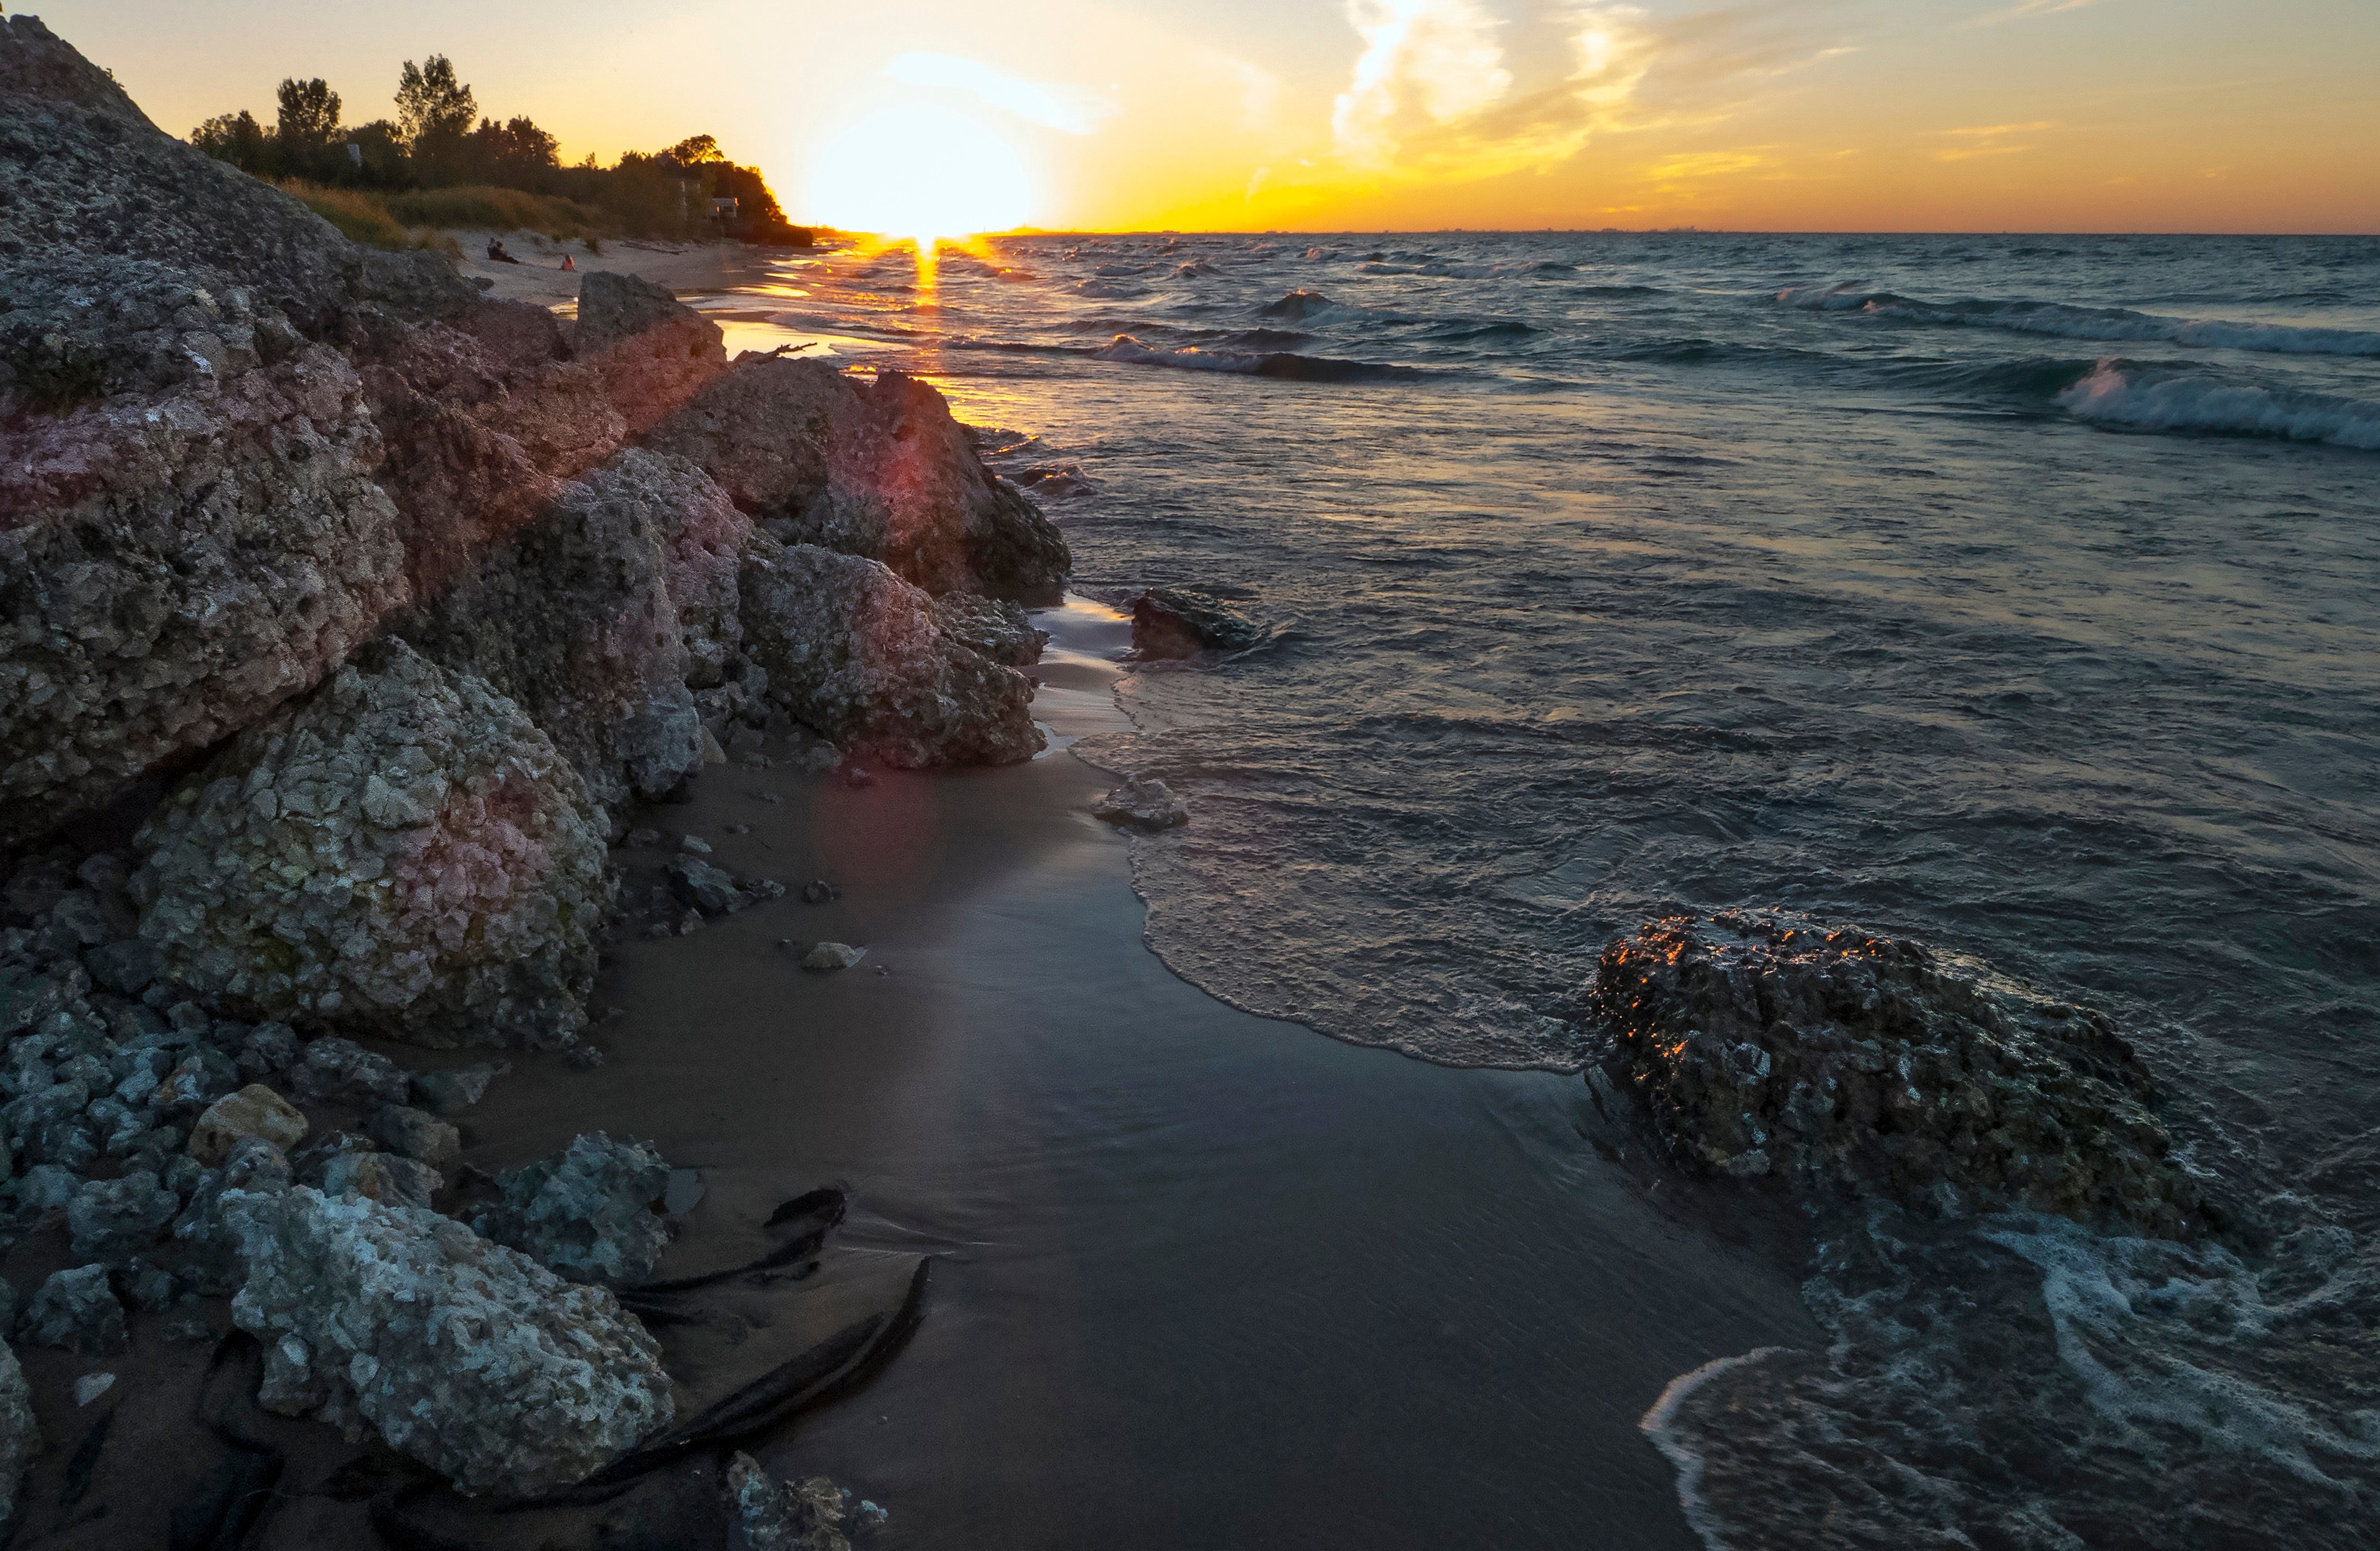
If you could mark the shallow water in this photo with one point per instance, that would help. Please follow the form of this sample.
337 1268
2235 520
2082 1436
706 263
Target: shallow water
2011 593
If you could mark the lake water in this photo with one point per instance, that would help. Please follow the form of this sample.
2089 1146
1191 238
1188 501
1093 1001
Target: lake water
2013 593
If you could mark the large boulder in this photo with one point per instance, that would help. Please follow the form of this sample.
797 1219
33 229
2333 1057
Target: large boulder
856 654
877 469
586 1213
401 852
655 353
173 568
1856 1064
88 173
573 618
467 1356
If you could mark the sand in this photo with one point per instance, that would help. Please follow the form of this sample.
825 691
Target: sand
540 277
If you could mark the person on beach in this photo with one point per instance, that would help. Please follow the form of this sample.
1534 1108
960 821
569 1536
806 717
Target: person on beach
568 262
497 251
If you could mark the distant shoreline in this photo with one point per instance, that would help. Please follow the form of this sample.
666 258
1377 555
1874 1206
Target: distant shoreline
540 277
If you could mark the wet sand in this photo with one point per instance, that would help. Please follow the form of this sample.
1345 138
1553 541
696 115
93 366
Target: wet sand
1201 1280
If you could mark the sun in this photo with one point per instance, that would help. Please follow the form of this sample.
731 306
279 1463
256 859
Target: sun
919 171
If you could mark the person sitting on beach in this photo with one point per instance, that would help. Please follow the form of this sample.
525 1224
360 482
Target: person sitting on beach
568 262
497 251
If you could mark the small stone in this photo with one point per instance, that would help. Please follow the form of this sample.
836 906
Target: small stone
819 758
641 837
706 888
585 1211
689 924
150 1286
77 1310
855 777
817 891
418 1135
694 843
45 1188
91 1387
1143 804
381 1176
269 1047
827 957
127 967
582 1056
20 1434
739 829
255 1110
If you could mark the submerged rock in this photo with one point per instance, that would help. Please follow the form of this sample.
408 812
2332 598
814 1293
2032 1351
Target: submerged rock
880 471
586 1212
463 1354
1183 621
1142 805
1843 1061
857 655
20 1434
402 852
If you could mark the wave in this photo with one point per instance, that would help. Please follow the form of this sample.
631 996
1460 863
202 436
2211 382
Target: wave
1441 270
1622 290
2116 396
1275 364
2087 323
1302 306
1458 330
1110 289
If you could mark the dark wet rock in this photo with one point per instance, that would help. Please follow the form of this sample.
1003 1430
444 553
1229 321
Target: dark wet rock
766 1514
463 1354
1183 621
268 1048
996 629
880 471
151 1288
453 879
344 1164
586 1212
44 1189
1142 805
827 958
817 891
1852 1063
342 1070
573 616
255 1110
34 888
77 1310
203 1075
856 654
20 1434
450 1092
127 968
112 1220
417 1134
209 1245
706 888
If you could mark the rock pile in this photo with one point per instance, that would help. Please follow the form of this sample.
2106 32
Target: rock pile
1845 1062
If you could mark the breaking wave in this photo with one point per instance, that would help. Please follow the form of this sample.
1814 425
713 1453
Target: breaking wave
2119 393
1282 364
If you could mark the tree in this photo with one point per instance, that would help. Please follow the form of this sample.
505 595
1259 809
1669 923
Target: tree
235 138
310 116
433 109
693 151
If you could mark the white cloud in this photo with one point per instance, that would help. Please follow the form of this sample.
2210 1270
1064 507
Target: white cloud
1069 109
2024 8
1433 60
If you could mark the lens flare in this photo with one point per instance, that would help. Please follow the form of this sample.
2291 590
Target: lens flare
922 173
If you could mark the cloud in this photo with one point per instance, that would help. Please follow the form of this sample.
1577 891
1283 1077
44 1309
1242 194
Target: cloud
2023 9
1987 139
1069 109
1259 89
1428 60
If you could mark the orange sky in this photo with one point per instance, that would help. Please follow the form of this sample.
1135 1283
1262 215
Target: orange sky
1246 115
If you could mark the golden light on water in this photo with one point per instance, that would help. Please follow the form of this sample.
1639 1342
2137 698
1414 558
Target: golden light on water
921 174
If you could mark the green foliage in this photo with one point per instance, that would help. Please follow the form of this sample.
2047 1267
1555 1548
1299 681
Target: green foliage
431 167
432 105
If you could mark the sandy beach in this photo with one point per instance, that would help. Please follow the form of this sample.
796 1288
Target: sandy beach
540 277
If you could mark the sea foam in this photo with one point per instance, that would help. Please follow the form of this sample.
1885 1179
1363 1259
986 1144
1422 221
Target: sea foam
2118 393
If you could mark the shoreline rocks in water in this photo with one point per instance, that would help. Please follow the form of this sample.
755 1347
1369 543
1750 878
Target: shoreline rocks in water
1844 1062
1183 622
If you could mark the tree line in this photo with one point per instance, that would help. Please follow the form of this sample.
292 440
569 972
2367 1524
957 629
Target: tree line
434 142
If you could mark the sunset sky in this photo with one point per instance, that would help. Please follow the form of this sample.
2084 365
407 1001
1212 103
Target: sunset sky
1320 115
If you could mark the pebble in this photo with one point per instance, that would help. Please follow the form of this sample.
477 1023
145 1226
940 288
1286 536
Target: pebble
828 956
91 1387
817 891
694 843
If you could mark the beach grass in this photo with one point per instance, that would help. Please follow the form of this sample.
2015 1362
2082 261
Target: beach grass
412 219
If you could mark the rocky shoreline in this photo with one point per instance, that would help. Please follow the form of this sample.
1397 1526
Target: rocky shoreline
349 616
